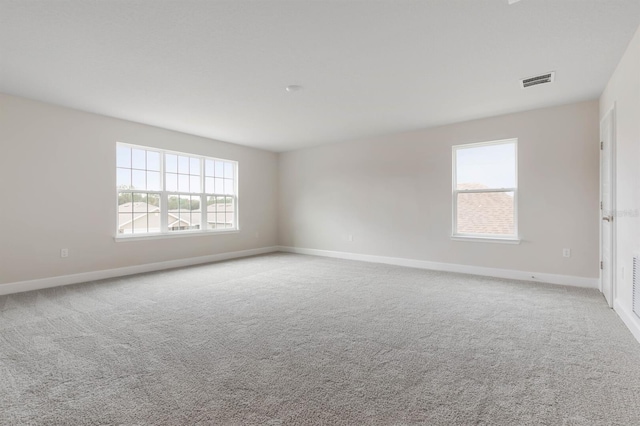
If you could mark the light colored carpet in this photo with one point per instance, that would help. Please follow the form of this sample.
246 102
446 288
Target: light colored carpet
290 339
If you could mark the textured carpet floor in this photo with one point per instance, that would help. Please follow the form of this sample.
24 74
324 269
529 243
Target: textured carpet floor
290 339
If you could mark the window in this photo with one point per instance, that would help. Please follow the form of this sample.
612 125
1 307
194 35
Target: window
485 190
162 193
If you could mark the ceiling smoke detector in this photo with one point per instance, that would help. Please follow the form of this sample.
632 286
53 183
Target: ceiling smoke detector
538 79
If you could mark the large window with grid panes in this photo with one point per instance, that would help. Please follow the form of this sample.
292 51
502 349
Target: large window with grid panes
169 193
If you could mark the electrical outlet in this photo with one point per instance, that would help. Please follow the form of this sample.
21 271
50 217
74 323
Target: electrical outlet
64 252
566 252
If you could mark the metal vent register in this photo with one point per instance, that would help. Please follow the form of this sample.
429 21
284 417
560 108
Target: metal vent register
538 79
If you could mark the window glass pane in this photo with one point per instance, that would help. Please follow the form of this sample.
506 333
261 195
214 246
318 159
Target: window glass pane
194 166
183 183
219 186
172 222
123 178
211 212
184 213
209 187
171 163
183 203
183 164
154 221
230 212
208 167
153 212
221 220
219 169
486 213
139 179
184 219
211 209
228 170
173 219
153 160
126 224
153 181
173 202
154 202
194 184
229 204
140 223
228 186
490 166
138 158
124 202
195 203
123 156
125 213
171 182
139 203
140 209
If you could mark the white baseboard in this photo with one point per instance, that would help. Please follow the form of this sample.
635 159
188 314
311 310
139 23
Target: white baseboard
18 287
630 320
451 267
38 284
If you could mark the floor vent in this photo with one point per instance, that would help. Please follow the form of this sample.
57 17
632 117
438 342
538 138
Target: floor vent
636 277
538 79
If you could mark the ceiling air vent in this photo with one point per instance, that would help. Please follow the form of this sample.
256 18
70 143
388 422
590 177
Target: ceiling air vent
538 79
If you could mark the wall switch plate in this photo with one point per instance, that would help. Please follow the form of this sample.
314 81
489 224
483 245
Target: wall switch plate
350 237
566 252
64 252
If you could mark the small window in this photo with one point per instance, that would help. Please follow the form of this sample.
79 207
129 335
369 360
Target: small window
161 192
485 190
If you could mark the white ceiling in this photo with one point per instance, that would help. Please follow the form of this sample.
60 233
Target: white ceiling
219 68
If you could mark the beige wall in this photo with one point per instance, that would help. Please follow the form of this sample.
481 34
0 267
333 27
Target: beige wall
393 193
57 174
623 90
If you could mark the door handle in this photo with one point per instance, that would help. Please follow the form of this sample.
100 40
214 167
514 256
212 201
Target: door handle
608 218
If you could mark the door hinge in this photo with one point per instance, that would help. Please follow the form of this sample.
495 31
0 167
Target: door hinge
600 205
601 265
601 145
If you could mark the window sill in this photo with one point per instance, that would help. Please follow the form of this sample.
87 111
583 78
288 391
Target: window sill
486 239
122 239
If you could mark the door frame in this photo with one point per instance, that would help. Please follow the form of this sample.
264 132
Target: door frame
612 190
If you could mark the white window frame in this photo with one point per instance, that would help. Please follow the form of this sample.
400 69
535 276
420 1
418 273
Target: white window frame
455 235
164 199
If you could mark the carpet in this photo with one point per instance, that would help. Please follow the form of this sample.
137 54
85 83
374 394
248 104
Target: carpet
287 339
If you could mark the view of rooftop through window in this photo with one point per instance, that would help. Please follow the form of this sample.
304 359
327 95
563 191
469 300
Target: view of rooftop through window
484 189
163 192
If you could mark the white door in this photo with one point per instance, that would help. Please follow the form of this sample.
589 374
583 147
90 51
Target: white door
607 207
